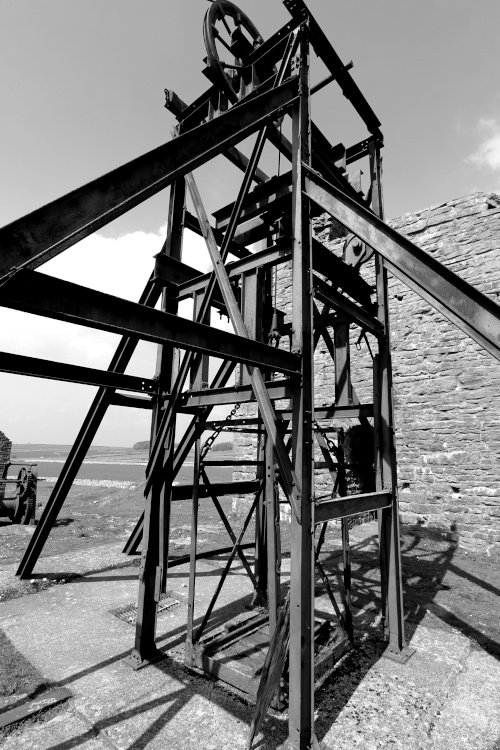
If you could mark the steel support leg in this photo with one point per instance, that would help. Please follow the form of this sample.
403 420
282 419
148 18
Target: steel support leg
155 552
386 474
301 693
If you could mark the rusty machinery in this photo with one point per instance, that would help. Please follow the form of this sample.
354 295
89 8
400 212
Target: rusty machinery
18 493
258 88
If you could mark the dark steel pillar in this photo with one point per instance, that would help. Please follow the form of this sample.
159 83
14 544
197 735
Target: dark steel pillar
155 545
301 695
385 460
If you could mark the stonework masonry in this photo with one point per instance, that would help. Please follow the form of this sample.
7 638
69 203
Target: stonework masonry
446 388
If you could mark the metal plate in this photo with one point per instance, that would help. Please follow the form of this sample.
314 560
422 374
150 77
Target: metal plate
128 613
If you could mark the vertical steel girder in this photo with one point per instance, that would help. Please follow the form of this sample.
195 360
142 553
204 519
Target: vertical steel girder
157 511
31 241
301 654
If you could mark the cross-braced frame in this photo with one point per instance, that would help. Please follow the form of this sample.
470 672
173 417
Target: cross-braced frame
263 90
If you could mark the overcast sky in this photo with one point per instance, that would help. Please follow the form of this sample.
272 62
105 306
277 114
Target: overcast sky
81 89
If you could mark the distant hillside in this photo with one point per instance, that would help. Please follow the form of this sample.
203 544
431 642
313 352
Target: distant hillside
225 447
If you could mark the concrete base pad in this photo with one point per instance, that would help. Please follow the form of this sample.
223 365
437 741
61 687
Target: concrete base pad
443 697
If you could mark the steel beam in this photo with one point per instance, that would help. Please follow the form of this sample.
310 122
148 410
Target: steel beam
328 295
347 278
42 234
196 282
83 441
35 292
157 509
156 463
44 368
325 51
288 476
134 402
184 446
216 396
177 106
473 312
301 653
329 510
258 201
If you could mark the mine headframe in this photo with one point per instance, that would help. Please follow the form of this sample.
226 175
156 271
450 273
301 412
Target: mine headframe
259 88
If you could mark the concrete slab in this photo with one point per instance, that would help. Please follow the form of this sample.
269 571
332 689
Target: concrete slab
394 705
470 719
444 692
63 731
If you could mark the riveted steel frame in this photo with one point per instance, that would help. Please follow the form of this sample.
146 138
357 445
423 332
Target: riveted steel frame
328 297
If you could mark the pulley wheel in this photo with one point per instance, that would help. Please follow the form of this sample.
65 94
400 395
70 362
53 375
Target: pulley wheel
229 37
356 252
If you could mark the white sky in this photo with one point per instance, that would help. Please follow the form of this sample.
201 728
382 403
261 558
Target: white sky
82 92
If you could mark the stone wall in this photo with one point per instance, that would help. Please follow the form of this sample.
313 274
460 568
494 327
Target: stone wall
447 388
447 395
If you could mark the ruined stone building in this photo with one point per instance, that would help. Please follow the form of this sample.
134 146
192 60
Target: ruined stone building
446 388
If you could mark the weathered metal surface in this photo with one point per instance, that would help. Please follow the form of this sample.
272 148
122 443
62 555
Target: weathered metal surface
42 368
283 207
86 434
325 51
31 291
329 295
19 502
258 384
44 233
464 305
328 510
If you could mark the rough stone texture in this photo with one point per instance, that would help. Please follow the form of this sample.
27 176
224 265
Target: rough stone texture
447 404
5 448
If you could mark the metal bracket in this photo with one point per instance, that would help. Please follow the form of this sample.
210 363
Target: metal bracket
400 656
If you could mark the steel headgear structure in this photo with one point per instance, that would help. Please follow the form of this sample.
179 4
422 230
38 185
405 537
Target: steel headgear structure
257 88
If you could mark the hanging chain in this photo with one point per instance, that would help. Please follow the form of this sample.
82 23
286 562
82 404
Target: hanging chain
335 451
362 336
215 434
329 442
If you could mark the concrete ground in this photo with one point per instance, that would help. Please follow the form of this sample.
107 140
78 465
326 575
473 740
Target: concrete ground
445 696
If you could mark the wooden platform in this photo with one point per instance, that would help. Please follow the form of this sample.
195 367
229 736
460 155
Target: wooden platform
235 652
